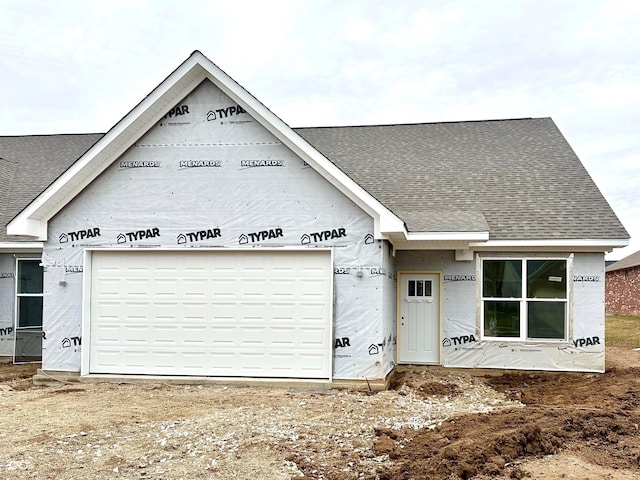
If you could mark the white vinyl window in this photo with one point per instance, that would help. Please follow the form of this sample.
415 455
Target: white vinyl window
524 299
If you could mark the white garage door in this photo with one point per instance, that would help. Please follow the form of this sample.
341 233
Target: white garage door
211 313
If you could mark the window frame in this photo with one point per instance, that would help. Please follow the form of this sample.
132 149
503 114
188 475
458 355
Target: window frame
422 289
20 294
27 340
523 300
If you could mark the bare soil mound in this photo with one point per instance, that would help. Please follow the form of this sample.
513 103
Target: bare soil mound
594 416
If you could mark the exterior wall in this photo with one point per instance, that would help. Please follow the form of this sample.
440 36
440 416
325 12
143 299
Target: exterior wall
587 302
7 303
462 344
623 291
363 319
458 301
389 313
208 175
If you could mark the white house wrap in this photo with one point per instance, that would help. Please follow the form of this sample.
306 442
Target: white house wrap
201 236
7 304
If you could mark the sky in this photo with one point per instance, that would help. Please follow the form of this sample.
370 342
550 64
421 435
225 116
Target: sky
80 66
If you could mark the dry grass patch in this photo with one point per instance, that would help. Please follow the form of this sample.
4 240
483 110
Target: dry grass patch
622 331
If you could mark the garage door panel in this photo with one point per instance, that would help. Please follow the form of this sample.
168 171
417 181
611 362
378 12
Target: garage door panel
221 363
253 336
259 314
137 335
313 312
223 336
312 336
310 289
167 335
106 334
194 335
134 358
223 287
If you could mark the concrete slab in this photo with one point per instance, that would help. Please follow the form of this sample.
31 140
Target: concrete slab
55 378
222 381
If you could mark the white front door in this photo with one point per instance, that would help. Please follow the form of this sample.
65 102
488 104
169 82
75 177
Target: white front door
419 337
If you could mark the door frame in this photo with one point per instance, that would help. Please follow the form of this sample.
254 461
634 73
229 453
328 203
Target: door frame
401 278
36 330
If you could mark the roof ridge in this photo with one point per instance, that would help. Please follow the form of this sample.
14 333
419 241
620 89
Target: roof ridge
424 123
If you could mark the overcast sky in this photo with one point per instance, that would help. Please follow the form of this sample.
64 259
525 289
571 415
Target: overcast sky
80 66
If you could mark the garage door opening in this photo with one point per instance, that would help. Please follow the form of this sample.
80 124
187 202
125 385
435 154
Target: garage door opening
219 313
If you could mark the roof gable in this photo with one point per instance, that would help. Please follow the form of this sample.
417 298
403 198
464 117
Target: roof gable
32 221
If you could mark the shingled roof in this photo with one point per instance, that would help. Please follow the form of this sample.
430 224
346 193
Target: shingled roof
519 179
629 261
28 165
520 176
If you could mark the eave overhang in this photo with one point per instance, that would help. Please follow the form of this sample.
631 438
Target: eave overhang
21 247
479 241
565 245
435 240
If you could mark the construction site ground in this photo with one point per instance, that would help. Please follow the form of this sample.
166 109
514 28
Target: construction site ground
432 423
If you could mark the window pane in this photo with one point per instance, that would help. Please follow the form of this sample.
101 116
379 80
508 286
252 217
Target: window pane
29 311
420 292
546 320
502 278
412 288
29 276
546 279
427 288
501 319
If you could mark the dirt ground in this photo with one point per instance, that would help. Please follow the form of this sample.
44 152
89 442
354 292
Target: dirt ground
434 423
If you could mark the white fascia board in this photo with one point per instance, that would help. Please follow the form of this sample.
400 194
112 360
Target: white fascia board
479 241
437 240
448 236
32 221
429 245
21 247
385 221
598 245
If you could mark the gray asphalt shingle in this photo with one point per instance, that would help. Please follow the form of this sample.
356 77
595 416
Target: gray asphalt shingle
521 175
519 179
629 261
29 164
